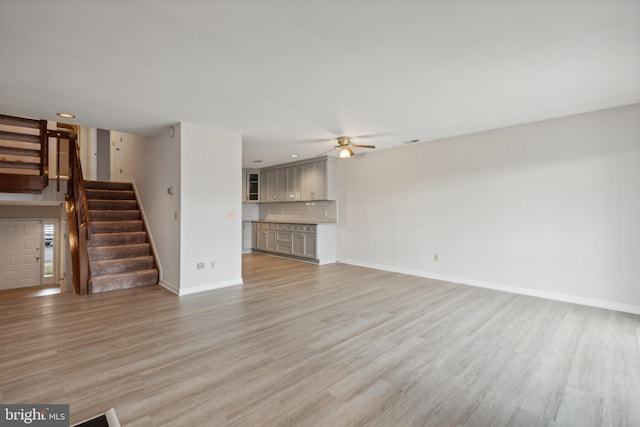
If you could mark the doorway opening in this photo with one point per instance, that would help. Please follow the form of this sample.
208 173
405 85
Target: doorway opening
29 252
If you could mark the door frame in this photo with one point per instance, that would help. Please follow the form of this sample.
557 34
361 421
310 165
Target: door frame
57 247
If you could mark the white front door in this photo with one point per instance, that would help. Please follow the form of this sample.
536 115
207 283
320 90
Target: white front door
20 258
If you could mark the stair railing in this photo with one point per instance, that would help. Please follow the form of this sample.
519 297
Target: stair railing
77 214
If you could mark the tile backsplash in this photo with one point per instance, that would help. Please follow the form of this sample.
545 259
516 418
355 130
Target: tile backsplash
250 212
321 211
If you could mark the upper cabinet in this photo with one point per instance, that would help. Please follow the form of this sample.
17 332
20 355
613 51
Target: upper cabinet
294 183
251 185
305 180
273 187
314 182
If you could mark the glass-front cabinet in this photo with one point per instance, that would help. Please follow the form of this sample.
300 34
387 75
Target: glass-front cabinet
251 186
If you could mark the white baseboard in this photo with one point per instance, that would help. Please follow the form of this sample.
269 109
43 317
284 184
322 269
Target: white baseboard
209 287
170 287
200 288
574 299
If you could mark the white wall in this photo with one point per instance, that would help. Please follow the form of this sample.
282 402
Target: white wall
550 209
153 164
201 221
211 214
88 141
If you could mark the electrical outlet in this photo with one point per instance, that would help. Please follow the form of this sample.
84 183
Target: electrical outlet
229 214
213 264
436 257
201 266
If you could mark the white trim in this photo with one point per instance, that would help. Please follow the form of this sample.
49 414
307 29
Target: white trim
574 299
147 229
170 287
209 287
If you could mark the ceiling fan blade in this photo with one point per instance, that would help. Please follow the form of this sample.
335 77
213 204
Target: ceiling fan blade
363 146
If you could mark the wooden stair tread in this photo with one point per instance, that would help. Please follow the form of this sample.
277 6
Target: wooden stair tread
101 194
21 137
121 265
117 281
130 259
120 238
107 185
19 171
99 253
5 143
102 227
19 164
114 214
97 204
19 151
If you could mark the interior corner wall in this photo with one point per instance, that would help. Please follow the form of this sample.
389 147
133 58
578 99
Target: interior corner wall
211 209
153 164
548 209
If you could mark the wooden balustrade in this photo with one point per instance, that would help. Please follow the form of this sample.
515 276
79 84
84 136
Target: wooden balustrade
77 214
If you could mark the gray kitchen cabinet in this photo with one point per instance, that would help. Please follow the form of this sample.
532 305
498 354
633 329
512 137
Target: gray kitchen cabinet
303 241
251 186
266 237
306 242
273 185
310 186
294 183
268 187
306 180
281 185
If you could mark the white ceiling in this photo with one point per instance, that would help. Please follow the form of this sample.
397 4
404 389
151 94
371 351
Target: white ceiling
290 75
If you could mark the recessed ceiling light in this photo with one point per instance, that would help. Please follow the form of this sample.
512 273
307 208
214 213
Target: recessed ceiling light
66 115
294 155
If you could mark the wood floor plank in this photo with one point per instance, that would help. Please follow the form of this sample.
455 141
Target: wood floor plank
334 345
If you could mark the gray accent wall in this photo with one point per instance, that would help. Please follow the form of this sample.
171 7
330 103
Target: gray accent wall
104 156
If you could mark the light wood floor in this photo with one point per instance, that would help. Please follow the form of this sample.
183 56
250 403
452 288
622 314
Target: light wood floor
34 291
333 345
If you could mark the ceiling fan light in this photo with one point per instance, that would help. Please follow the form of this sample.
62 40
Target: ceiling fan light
344 153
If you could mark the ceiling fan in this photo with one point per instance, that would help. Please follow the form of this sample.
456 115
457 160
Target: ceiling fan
346 147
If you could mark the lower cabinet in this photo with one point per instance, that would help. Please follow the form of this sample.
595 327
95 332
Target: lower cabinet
312 242
303 241
266 240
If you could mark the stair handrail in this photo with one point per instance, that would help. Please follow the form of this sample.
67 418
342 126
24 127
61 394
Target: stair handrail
76 187
79 211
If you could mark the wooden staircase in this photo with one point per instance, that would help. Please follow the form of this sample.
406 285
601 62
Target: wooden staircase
119 252
23 155
108 240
